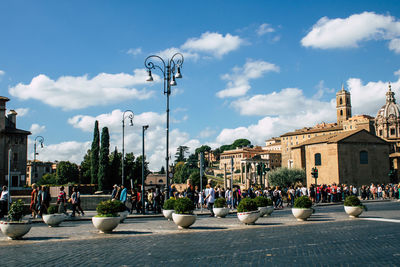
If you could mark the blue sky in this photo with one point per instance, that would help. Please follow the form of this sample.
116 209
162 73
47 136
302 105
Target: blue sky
252 69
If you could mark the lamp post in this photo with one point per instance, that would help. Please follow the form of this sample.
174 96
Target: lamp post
144 128
9 177
41 140
170 71
130 116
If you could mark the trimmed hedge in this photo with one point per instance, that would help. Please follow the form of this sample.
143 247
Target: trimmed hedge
169 204
303 202
352 201
184 206
108 208
220 203
261 201
246 205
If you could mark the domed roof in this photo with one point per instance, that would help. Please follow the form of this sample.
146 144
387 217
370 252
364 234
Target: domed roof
390 109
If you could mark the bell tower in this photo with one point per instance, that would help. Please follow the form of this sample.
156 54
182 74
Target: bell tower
343 106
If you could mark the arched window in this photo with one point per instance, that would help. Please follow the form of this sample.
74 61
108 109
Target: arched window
317 159
340 101
363 157
341 112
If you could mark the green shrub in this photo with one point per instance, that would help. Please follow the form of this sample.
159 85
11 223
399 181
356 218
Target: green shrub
261 201
302 202
169 204
17 211
184 206
119 205
52 210
246 205
220 203
108 208
270 202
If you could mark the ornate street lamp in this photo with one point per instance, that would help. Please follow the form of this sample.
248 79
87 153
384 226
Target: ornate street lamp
170 71
41 140
130 116
144 128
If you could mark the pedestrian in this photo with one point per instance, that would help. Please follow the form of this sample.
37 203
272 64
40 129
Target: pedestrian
210 198
133 200
46 198
32 206
39 201
157 200
123 195
61 201
114 192
4 202
76 202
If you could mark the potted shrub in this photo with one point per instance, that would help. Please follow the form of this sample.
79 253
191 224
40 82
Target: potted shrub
14 227
53 218
107 218
183 213
168 208
220 208
302 208
247 211
353 206
122 211
264 205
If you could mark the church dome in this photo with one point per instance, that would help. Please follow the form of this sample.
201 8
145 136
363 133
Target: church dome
390 110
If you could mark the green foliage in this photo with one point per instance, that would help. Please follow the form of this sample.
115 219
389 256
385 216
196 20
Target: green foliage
195 178
94 159
17 211
234 145
270 202
203 149
285 177
180 154
184 206
103 174
48 179
119 206
67 172
169 204
220 203
302 202
246 205
352 201
115 169
261 201
52 210
162 170
108 208
85 168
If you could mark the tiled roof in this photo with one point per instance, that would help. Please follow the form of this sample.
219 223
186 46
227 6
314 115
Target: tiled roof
313 130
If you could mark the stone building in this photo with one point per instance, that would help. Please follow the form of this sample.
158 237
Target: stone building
351 157
36 170
15 139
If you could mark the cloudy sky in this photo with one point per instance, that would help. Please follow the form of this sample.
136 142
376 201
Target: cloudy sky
252 69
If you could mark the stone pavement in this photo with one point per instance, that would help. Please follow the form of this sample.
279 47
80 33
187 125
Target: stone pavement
330 237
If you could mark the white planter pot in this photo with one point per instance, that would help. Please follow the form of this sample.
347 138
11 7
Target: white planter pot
270 209
123 215
263 211
184 220
15 230
168 214
302 214
53 220
221 212
248 217
353 212
105 224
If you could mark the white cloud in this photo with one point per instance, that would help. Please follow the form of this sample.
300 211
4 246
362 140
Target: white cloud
349 32
169 52
22 111
394 45
134 51
2 72
207 132
238 80
71 93
264 29
37 129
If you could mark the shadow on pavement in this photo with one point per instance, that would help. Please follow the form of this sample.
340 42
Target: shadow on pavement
268 223
129 233
208 228
43 238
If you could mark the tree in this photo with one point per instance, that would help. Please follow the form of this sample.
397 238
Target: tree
67 172
86 168
115 168
48 178
203 149
180 153
103 174
240 143
285 177
135 173
192 161
94 159
162 171
195 178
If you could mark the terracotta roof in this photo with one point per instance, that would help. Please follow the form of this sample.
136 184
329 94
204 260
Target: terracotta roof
313 130
4 98
332 138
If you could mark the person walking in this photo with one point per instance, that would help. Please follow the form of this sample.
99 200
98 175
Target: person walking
124 195
76 202
32 206
4 202
45 199
39 201
114 192
61 201
210 198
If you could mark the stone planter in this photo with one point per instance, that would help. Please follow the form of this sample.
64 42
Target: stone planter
265 211
168 214
353 212
15 230
106 224
184 220
123 215
53 220
248 217
221 212
302 214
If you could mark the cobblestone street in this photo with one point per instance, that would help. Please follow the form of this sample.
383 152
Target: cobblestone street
330 237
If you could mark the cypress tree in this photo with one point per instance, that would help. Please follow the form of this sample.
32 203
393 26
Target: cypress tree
94 155
115 169
104 159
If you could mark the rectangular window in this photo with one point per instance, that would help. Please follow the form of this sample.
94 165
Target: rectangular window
363 157
317 159
392 131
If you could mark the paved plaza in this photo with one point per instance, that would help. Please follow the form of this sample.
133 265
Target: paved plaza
330 237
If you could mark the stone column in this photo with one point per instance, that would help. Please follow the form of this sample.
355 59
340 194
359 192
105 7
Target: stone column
241 173
245 172
225 176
